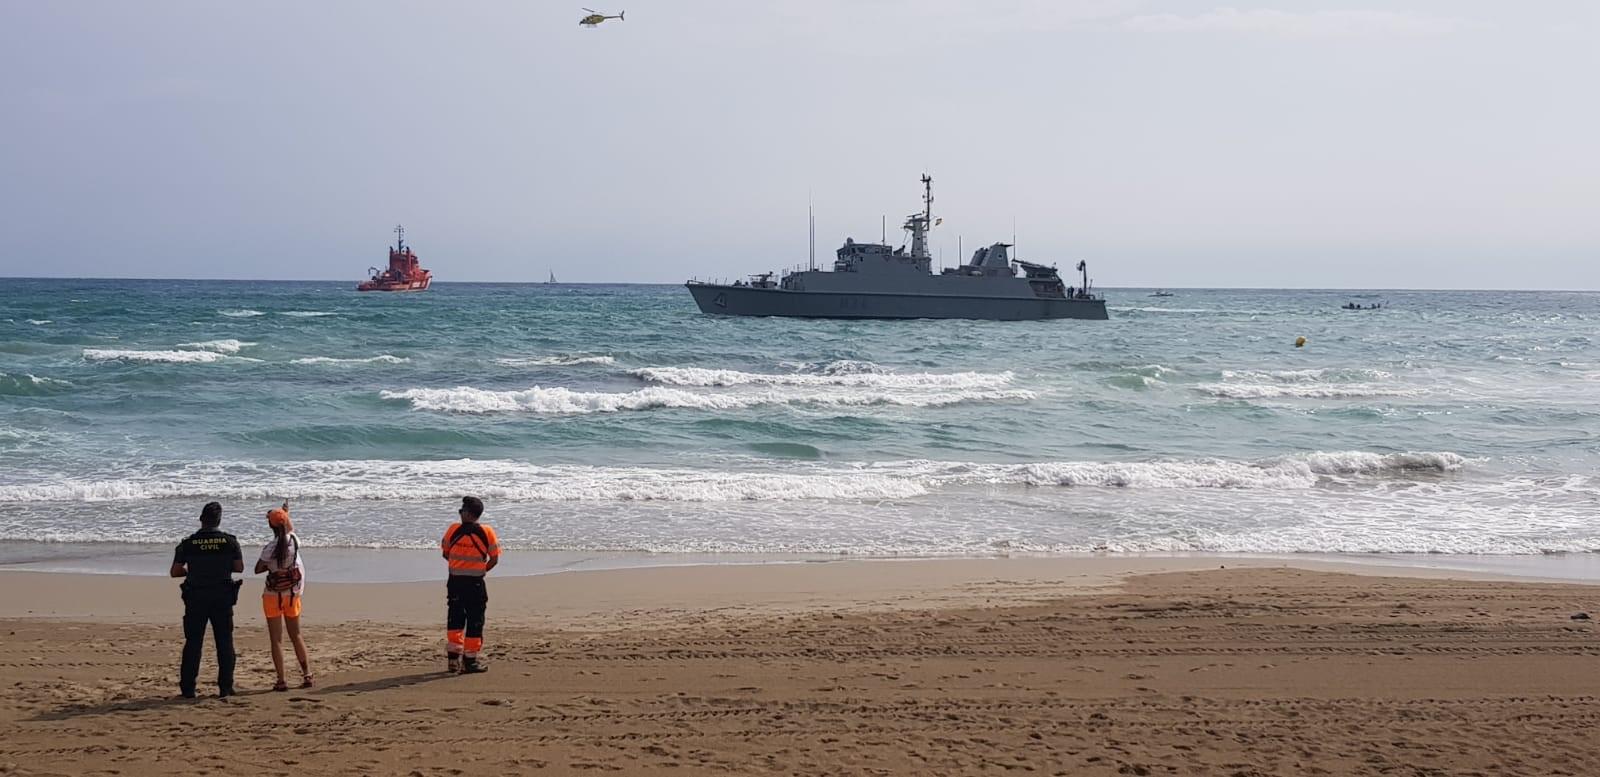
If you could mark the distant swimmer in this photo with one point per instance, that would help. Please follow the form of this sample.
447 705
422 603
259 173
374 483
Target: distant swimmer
207 561
471 549
282 596
595 18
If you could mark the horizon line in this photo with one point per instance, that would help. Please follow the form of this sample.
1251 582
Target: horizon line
680 283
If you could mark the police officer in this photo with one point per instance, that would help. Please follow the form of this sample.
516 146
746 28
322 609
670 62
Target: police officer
207 561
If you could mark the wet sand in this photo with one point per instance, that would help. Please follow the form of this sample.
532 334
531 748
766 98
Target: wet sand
979 667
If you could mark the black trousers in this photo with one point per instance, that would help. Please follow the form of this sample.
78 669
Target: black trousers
466 601
199 609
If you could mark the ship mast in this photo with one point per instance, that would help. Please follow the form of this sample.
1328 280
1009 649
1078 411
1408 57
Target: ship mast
919 223
811 219
399 238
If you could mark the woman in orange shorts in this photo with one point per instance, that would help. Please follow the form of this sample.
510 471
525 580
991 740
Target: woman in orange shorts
281 598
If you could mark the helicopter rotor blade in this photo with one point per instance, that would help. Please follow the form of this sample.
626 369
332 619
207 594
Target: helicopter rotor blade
590 10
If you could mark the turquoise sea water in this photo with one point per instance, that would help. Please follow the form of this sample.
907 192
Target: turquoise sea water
619 419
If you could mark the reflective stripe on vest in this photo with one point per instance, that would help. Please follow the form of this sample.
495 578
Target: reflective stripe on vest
470 559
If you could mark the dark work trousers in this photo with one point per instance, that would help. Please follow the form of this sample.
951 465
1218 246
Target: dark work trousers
200 608
466 599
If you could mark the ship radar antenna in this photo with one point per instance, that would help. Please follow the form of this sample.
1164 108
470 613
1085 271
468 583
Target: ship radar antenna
927 198
399 238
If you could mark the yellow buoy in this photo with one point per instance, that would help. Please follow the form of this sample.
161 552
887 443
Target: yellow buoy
1300 342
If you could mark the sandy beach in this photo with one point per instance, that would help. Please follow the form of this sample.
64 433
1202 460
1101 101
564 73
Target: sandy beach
952 667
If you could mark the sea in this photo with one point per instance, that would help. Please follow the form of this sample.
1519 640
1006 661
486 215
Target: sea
616 424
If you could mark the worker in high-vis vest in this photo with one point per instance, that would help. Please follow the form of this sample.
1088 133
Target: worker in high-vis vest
471 549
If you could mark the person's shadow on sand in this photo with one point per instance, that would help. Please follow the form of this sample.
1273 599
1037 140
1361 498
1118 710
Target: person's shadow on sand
164 702
131 705
382 683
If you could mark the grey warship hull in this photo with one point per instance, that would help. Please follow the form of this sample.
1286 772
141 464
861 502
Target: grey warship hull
877 280
728 300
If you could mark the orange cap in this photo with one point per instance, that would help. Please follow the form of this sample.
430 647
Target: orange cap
278 518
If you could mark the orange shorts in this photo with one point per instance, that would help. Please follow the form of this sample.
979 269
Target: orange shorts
281 605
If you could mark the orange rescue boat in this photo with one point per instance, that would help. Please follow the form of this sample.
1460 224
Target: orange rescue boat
404 273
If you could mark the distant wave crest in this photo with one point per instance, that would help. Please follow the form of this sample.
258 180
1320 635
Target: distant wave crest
573 360
30 385
244 313
149 357
220 346
702 377
466 399
382 358
1309 391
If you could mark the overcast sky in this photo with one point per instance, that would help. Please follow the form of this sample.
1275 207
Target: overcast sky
1321 143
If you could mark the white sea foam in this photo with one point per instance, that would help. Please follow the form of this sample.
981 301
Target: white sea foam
1305 376
1364 463
382 358
307 313
174 357
391 480
466 399
557 361
220 346
241 313
697 376
38 321
1168 310
1304 391
1298 471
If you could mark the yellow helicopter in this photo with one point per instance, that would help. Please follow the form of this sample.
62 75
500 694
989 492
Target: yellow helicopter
595 18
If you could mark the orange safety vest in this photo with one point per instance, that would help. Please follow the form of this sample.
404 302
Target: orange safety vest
468 552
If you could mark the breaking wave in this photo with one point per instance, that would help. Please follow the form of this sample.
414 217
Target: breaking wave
465 399
382 358
502 479
1336 374
38 321
557 361
1323 383
173 357
240 313
1287 472
28 385
307 313
1304 391
220 346
390 480
701 377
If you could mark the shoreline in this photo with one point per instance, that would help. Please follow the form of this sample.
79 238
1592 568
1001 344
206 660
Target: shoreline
409 565
584 597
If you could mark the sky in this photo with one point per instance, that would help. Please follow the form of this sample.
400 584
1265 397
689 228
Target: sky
1171 143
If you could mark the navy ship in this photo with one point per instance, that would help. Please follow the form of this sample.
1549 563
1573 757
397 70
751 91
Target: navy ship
875 280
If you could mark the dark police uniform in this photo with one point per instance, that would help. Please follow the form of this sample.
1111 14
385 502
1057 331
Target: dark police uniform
209 593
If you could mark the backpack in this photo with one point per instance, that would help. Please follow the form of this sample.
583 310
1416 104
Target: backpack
283 581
